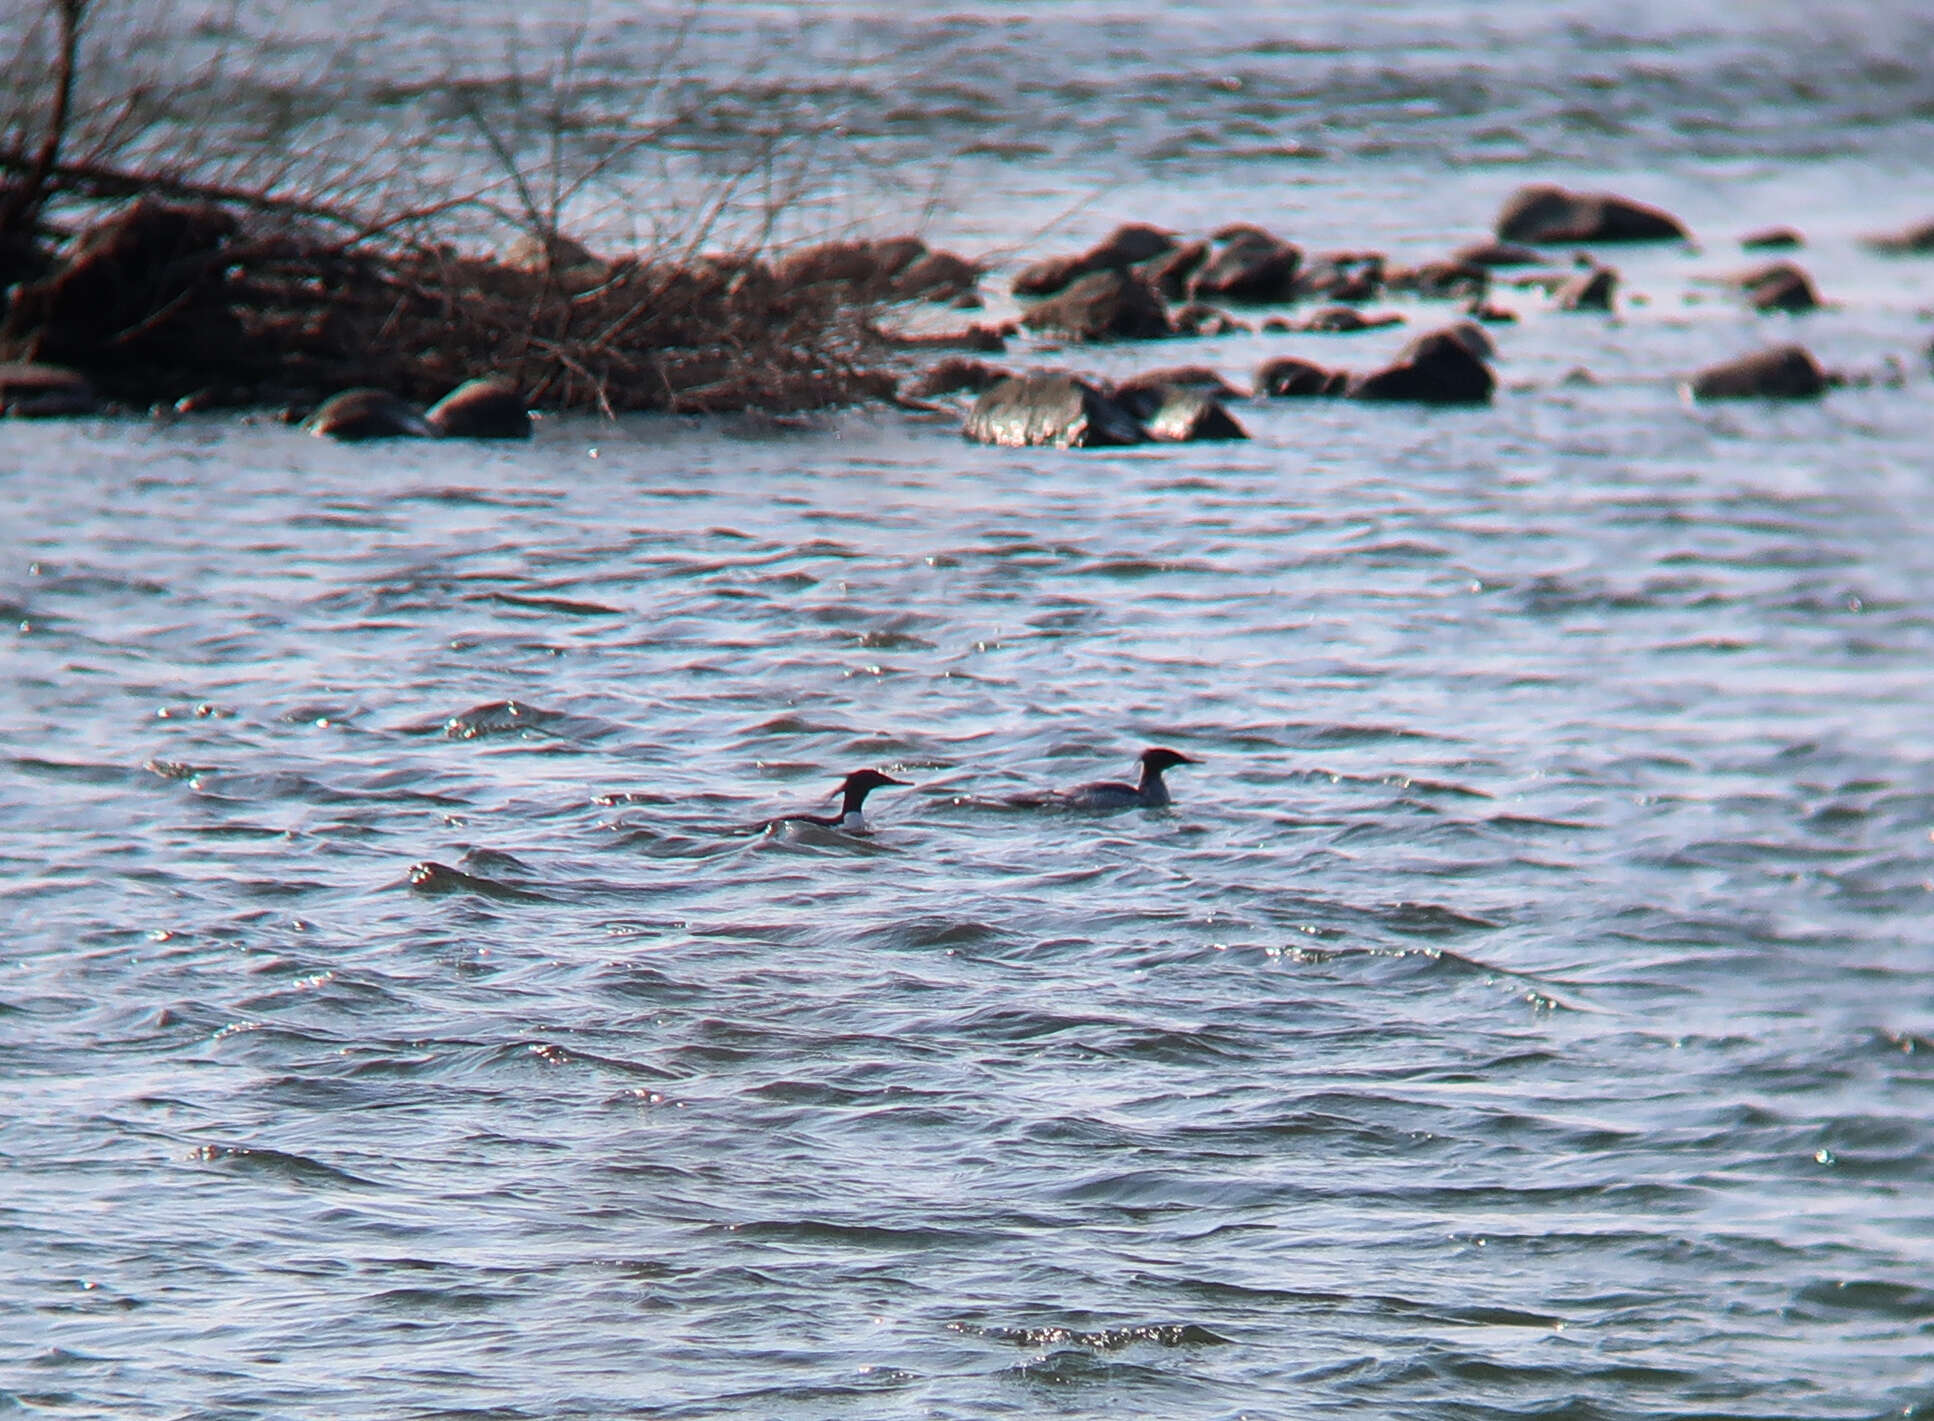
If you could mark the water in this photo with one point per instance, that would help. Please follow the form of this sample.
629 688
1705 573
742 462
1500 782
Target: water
1523 1011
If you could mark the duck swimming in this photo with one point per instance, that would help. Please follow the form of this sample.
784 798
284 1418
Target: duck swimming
851 817
1149 792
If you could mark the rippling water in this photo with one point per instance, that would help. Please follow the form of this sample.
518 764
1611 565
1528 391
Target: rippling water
1524 1010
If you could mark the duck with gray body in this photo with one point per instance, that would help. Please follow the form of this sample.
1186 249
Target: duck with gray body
1150 791
851 818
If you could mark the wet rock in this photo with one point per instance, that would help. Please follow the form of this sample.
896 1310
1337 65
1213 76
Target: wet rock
1182 413
29 391
1103 305
1133 393
1052 409
1589 289
1171 272
1445 280
1787 372
1287 377
1772 239
1544 214
1343 320
1494 253
936 276
367 414
1491 314
1126 246
1441 367
1917 240
481 409
1778 286
952 376
1198 318
1255 268
1342 276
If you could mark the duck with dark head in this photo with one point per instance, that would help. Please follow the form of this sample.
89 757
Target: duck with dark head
1150 791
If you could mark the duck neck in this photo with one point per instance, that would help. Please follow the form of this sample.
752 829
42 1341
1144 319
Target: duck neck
1152 788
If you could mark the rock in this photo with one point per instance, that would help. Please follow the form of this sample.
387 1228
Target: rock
1494 253
1917 240
1342 276
1786 372
936 276
1182 413
1449 280
1490 314
1103 305
1133 393
953 375
1287 377
1198 318
29 391
1126 246
1545 214
1052 409
367 414
846 263
1772 238
1255 268
1441 367
1343 320
1170 272
1778 286
1589 289
480 409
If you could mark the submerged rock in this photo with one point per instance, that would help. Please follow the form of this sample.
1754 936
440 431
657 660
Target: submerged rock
1786 372
1052 409
1778 286
1495 253
1442 367
29 391
1917 240
1544 213
490 408
1589 289
1771 239
1104 305
368 414
1288 377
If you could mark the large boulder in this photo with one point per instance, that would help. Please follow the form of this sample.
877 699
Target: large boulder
1544 214
1103 305
1128 245
1442 367
1052 409
1182 413
1786 372
481 409
356 415
1254 267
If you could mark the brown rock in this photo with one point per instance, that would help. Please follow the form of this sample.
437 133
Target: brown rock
1343 320
1787 372
1287 377
1772 238
1131 392
1494 253
935 276
1170 272
1440 367
356 415
1126 246
480 409
1198 318
953 375
1590 289
1255 268
1104 305
1546 214
1452 280
1778 286
1185 413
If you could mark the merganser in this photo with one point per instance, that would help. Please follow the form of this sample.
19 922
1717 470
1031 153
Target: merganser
1148 793
855 787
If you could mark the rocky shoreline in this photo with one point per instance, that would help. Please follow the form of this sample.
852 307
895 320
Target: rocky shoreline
187 305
